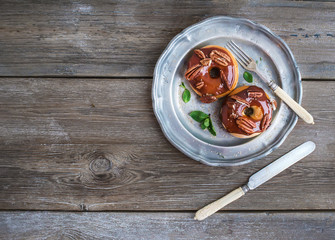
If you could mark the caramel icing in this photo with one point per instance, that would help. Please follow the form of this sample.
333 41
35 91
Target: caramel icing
232 109
213 86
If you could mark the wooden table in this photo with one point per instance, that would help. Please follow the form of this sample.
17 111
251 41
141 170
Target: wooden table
83 157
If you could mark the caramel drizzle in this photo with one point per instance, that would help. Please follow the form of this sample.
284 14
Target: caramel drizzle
219 58
208 99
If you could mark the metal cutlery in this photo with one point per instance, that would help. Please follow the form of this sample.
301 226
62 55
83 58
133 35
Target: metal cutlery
249 64
258 178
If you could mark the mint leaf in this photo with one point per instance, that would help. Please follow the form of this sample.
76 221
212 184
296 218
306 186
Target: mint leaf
198 116
248 77
186 96
206 122
211 128
212 131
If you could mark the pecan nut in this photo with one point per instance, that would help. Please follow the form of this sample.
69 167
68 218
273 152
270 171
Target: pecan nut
255 94
265 122
220 61
225 80
216 53
199 53
233 115
220 57
200 85
208 99
206 62
247 122
240 100
246 129
245 125
231 104
274 104
192 72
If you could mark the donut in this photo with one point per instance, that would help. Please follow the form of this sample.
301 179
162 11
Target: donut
247 112
212 72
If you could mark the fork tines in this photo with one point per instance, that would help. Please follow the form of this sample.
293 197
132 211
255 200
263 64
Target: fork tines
241 56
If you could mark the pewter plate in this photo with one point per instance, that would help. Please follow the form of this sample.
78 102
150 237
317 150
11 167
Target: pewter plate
274 59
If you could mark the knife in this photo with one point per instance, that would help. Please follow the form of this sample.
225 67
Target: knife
258 179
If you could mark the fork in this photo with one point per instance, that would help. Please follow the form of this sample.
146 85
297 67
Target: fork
249 64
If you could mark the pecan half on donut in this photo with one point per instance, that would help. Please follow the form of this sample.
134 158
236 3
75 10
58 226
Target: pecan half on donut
208 99
245 124
216 53
255 94
199 53
274 104
206 61
220 61
240 100
192 72
265 122
200 85
225 80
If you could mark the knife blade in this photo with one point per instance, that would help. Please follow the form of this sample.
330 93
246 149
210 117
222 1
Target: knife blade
280 164
258 178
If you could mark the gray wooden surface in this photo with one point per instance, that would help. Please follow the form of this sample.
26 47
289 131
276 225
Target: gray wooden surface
77 130
68 144
160 226
125 38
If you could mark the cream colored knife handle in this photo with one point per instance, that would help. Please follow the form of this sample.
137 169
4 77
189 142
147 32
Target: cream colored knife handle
298 109
218 204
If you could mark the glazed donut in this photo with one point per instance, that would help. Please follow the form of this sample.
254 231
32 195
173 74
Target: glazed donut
212 72
247 112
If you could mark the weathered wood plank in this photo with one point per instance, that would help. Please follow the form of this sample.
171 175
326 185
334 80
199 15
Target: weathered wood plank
55 225
99 111
125 38
91 144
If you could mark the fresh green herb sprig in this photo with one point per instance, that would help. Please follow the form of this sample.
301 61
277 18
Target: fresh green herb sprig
248 77
204 120
186 94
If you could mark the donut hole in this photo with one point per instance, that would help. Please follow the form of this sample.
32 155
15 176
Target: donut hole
256 113
249 111
214 72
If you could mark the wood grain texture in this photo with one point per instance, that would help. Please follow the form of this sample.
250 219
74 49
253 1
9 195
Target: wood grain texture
54 225
91 144
125 38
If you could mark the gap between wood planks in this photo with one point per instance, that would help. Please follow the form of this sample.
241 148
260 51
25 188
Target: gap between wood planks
174 211
124 77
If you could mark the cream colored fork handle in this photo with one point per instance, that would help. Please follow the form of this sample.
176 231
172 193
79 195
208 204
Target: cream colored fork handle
298 109
218 204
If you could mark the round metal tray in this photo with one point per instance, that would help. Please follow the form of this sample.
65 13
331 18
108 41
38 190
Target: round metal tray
274 59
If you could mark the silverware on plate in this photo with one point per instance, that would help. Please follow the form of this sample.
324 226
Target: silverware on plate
258 178
249 64
173 114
